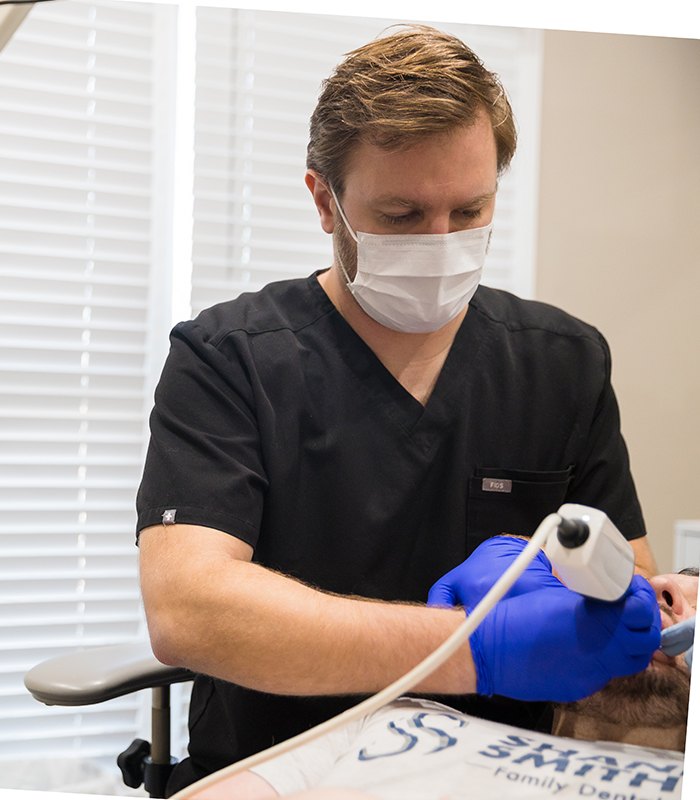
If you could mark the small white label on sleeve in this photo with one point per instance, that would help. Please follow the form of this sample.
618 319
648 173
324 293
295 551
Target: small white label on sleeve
169 516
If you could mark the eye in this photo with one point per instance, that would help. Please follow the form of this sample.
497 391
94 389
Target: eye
398 219
470 213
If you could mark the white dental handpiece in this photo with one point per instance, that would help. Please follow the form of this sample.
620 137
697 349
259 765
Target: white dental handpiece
589 554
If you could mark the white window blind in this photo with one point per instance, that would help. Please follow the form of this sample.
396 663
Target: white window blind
78 107
258 78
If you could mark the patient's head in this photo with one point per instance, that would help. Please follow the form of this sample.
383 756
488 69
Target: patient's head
659 695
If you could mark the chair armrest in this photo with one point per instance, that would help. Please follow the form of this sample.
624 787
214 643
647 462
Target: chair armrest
96 674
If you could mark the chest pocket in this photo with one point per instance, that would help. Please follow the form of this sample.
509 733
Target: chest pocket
512 501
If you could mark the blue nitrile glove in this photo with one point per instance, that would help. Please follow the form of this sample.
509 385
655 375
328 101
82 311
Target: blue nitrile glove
467 583
553 644
679 639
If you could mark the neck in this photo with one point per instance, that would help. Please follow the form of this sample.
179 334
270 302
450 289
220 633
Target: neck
576 725
414 359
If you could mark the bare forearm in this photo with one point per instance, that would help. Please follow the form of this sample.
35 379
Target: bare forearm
303 641
266 631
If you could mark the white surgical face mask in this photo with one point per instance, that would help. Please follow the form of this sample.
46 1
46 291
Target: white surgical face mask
416 282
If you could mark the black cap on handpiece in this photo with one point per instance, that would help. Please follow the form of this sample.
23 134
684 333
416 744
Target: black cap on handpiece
572 533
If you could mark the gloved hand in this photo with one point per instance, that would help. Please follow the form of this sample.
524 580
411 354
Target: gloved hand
553 644
467 583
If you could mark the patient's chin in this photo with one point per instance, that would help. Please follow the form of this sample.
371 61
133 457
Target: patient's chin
656 697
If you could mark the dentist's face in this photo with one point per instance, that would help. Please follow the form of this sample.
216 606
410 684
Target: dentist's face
442 184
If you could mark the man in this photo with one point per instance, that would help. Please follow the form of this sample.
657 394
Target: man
413 748
323 450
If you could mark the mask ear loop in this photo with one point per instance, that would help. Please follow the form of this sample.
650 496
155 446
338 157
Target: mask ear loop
342 215
352 233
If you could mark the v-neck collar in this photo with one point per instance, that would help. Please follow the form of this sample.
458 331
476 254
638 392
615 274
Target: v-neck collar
387 393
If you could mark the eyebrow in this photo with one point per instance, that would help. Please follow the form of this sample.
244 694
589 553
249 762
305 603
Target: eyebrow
413 203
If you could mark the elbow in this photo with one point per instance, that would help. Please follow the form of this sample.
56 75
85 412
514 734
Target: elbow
166 654
164 590
167 621
177 630
165 643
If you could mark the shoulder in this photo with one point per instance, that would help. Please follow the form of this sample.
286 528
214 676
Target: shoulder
516 314
538 329
289 305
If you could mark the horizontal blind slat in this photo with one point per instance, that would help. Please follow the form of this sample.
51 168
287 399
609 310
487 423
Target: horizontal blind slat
77 216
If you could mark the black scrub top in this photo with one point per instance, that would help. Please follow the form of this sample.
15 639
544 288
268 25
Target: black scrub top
274 422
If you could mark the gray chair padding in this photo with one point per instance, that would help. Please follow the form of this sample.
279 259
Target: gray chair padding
96 674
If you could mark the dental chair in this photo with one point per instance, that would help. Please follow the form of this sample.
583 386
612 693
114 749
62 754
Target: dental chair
97 674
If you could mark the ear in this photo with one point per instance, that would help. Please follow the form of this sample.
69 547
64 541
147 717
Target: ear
322 198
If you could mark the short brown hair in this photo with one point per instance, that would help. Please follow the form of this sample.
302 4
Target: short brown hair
400 88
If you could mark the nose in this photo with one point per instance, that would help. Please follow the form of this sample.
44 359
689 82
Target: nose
441 223
669 593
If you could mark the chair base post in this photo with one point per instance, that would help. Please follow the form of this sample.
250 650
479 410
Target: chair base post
155 777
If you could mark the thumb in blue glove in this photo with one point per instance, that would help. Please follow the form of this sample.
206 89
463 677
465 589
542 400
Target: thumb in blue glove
467 583
553 644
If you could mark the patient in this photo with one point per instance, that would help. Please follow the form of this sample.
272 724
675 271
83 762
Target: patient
630 741
652 706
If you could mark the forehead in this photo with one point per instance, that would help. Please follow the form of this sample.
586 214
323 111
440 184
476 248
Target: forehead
461 160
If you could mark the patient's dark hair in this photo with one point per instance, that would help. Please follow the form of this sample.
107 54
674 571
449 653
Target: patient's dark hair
694 572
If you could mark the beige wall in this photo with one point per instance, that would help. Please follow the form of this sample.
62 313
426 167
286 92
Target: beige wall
619 242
